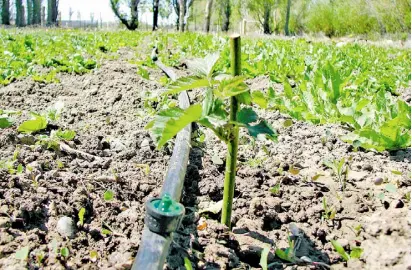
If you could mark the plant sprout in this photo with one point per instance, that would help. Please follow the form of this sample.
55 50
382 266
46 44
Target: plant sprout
225 109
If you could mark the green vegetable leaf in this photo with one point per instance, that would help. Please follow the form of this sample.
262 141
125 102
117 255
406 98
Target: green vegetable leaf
188 264
38 123
5 122
67 135
204 66
23 253
262 128
81 215
231 87
64 252
390 188
143 73
356 252
169 122
340 250
247 116
108 195
259 98
283 254
187 83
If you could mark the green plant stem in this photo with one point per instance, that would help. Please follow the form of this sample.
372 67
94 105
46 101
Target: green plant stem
232 144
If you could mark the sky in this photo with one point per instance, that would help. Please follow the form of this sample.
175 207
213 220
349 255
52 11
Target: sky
98 7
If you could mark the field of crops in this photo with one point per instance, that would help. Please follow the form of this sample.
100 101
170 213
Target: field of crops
80 153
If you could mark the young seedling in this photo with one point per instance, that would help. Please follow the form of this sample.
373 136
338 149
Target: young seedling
355 253
340 170
329 213
225 109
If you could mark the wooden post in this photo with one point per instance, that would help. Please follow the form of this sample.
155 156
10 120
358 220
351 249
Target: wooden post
232 145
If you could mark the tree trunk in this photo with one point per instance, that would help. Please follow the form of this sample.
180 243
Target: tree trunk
287 17
43 15
266 20
226 10
19 14
36 11
29 4
133 22
208 14
5 12
182 9
155 14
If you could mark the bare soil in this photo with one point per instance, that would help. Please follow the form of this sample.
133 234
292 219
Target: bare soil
106 109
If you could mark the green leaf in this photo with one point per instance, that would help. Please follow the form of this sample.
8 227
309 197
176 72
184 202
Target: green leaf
187 83
38 123
396 172
93 255
247 116
260 99
188 264
231 87
340 250
5 122
283 254
205 66
64 252
244 98
207 102
143 73
20 169
356 252
106 232
82 211
264 258
108 195
262 128
169 122
23 253
67 135
275 189
390 188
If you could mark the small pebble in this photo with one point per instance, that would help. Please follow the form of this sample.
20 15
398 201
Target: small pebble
378 181
397 204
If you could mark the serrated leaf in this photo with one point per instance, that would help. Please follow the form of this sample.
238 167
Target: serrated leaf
169 122
36 124
262 128
231 87
23 253
187 83
247 116
264 258
5 122
339 249
108 195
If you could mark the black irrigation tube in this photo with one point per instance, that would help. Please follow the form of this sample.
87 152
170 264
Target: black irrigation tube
154 247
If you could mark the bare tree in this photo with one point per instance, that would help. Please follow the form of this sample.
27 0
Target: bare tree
289 3
71 12
19 13
133 22
52 12
208 14
262 10
92 18
37 11
226 10
29 4
186 12
5 12
155 14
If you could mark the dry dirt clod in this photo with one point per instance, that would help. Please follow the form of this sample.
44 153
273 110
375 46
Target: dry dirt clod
66 227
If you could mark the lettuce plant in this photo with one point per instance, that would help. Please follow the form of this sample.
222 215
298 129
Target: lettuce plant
226 107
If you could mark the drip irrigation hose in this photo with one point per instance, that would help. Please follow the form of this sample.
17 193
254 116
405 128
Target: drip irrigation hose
163 214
